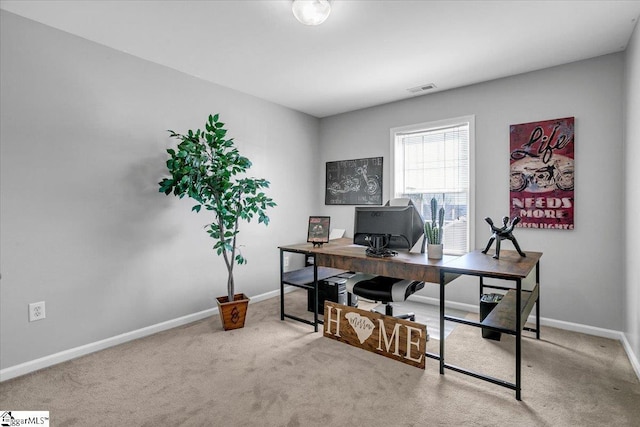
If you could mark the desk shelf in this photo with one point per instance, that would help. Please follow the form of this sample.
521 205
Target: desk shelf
503 316
303 278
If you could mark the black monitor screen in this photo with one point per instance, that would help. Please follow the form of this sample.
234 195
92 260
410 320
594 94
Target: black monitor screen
402 224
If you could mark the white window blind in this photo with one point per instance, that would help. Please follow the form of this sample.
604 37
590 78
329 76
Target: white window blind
434 160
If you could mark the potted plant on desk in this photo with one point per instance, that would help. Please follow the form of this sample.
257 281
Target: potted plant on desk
433 231
206 167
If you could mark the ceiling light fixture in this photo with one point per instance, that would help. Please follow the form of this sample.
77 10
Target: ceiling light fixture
311 12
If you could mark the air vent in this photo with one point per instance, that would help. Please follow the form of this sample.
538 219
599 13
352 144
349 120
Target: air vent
422 88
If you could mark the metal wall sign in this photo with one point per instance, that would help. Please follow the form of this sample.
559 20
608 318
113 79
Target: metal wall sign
388 336
354 182
541 180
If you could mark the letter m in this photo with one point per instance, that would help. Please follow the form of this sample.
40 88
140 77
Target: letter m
395 338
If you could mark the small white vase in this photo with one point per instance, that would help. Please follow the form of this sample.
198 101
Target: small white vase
434 251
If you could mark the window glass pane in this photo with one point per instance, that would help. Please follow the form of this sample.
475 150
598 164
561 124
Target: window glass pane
435 163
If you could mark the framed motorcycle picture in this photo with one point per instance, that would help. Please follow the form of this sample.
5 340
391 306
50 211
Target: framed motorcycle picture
541 180
354 182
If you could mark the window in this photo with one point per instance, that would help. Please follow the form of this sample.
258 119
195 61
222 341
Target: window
436 160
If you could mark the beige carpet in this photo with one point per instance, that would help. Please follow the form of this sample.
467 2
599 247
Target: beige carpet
275 373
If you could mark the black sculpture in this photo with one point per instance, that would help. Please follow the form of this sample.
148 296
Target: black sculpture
505 232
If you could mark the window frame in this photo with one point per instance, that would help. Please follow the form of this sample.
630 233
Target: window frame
430 126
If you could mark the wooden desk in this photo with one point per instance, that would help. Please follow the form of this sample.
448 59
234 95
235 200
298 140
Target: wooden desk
512 311
343 254
510 315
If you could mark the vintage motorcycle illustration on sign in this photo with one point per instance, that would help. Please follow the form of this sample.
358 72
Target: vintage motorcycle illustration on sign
535 176
353 183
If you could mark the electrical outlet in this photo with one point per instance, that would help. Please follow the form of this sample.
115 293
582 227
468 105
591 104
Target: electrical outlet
286 261
36 311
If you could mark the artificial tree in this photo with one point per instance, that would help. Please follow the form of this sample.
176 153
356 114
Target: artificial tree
208 168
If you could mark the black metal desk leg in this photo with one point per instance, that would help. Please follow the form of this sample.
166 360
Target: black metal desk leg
518 336
441 322
281 284
315 294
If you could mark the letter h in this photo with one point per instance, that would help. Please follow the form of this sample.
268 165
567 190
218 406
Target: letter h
328 320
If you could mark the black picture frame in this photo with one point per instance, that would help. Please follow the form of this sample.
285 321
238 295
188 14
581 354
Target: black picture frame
354 182
318 231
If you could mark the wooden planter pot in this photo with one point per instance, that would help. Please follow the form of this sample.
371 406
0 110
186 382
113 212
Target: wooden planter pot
232 314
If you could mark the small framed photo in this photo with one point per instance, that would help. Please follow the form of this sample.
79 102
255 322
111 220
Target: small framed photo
318 230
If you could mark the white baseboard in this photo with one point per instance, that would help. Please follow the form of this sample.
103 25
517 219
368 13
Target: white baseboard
449 304
635 363
63 356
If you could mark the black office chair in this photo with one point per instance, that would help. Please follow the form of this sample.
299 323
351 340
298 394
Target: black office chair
387 290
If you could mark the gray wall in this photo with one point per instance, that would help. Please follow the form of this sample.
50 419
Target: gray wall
84 227
632 193
582 270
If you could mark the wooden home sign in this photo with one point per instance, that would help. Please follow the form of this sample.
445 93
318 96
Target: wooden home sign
388 336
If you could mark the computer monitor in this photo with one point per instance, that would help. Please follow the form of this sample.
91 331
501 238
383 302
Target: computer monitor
403 226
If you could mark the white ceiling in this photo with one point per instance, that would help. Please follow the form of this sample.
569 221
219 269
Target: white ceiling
366 53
